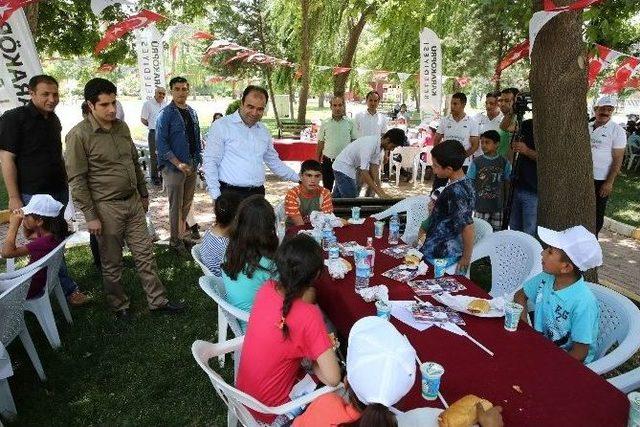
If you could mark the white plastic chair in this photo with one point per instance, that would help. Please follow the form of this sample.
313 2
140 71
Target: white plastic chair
627 382
630 157
12 301
481 230
419 163
195 253
228 315
416 209
515 257
409 154
237 401
619 324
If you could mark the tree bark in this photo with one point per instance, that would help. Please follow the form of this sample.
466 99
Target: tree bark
31 11
321 100
267 69
559 88
340 81
292 97
305 57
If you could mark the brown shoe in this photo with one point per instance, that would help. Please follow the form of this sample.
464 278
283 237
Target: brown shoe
77 298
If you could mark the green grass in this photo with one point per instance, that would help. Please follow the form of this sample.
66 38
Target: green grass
624 203
108 373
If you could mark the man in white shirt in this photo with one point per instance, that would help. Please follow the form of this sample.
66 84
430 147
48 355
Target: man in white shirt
361 159
460 127
489 119
608 141
238 146
150 110
371 122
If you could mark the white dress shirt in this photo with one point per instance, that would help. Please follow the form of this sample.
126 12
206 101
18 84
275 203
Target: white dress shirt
236 154
605 139
370 124
461 131
358 155
150 110
485 124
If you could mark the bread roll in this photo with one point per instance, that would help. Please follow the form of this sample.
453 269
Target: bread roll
479 306
463 412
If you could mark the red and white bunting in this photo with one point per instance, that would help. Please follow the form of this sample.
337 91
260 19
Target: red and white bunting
340 70
601 61
7 7
463 81
550 6
238 56
106 68
617 82
202 35
515 54
116 31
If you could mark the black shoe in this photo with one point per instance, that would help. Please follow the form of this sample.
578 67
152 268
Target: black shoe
169 308
124 315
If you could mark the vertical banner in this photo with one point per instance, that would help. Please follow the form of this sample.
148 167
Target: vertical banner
19 61
150 60
430 74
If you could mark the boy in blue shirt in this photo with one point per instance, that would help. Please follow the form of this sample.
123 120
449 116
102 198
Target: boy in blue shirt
565 310
488 174
449 233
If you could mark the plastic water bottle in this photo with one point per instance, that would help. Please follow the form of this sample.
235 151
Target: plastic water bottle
371 255
362 268
327 234
394 230
334 250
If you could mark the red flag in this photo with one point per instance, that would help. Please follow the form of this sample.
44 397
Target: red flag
202 35
617 82
7 7
240 55
550 6
114 32
514 55
215 79
601 61
380 75
340 70
463 81
634 83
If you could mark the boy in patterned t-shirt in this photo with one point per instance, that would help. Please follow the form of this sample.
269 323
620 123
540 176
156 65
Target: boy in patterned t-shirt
489 173
307 197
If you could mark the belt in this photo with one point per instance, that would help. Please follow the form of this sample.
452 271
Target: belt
249 187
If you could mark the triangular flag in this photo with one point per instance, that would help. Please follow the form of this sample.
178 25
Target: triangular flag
624 71
202 35
515 54
97 6
403 77
7 7
601 61
340 70
240 55
116 31
549 5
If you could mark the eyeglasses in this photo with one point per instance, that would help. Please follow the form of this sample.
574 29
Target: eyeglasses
161 93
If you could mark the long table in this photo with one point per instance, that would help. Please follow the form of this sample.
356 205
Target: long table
295 150
556 390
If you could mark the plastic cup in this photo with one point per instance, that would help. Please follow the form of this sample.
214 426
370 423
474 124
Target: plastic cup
383 310
355 213
439 267
634 409
512 312
431 374
378 230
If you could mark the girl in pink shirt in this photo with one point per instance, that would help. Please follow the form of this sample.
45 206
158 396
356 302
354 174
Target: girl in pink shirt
284 329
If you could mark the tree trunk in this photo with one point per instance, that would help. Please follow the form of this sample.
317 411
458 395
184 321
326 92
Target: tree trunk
292 98
267 70
31 11
559 88
305 57
340 81
321 100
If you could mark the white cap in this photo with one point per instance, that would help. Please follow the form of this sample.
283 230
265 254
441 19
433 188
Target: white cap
606 100
43 205
381 366
580 245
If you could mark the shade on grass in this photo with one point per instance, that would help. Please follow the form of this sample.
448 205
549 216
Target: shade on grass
107 373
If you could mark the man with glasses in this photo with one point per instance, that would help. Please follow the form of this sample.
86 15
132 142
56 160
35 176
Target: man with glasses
150 110
179 156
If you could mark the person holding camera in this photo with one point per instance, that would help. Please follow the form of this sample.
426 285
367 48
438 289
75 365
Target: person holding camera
524 181
608 142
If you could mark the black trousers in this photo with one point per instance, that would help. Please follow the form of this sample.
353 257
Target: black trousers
601 205
327 173
244 192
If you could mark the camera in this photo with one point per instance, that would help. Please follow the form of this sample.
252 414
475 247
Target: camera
522 104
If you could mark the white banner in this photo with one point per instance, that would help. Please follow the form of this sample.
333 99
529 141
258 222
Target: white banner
150 60
430 74
19 61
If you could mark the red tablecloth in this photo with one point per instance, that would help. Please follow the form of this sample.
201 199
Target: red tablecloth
556 389
295 150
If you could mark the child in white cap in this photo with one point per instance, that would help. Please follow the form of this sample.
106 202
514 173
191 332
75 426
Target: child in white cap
42 224
381 369
565 310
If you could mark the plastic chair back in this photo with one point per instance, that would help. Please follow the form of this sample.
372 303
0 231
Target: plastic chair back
627 382
12 302
212 286
416 209
481 230
515 257
619 324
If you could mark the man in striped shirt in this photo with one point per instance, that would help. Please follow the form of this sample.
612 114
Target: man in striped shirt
308 196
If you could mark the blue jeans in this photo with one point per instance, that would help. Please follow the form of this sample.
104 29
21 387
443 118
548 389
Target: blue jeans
524 212
344 186
67 283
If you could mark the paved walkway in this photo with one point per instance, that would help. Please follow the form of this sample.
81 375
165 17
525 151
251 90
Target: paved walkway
621 269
